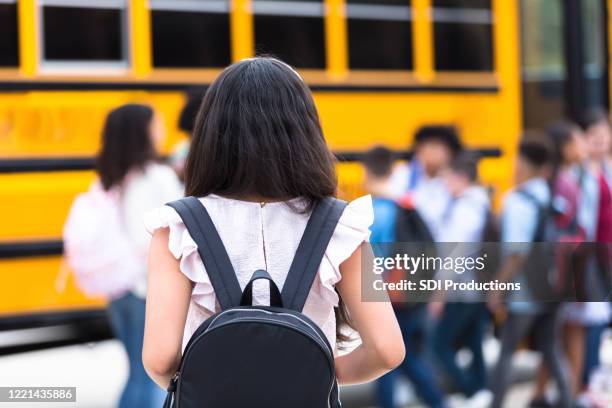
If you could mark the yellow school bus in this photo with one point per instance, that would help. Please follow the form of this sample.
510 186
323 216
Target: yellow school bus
378 69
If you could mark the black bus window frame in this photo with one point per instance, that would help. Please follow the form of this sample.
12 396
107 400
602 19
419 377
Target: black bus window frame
453 14
122 63
302 12
372 12
12 61
210 9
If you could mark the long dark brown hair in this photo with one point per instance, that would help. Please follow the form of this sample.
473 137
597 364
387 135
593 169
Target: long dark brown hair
126 143
560 134
257 134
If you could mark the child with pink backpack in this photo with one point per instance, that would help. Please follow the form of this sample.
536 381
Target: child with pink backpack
105 240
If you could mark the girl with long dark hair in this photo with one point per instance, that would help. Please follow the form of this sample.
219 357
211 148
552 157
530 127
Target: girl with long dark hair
127 168
568 156
259 163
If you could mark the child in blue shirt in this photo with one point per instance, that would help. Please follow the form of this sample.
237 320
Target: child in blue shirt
378 163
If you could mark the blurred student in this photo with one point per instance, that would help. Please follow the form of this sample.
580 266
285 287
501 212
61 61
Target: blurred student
106 242
378 163
466 214
186 123
434 148
418 186
461 317
261 111
520 218
569 154
596 217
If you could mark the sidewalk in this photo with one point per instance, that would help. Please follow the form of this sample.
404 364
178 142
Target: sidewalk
99 371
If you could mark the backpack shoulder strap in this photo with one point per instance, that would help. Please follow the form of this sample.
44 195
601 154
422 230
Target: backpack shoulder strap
542 211
311 249
211 250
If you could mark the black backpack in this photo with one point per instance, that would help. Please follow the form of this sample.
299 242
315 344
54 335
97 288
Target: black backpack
549 268
412 238
257 356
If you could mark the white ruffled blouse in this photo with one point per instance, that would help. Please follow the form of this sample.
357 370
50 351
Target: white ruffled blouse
264 236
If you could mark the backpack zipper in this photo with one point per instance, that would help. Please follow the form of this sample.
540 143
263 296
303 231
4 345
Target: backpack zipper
270 313
264 320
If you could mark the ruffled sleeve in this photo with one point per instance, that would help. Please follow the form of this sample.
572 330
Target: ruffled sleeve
184 248
352 230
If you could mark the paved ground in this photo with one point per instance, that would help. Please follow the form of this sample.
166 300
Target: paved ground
98 371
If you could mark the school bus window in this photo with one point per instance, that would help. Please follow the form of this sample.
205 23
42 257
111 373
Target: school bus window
379 34
459 4
594 46
92 31
9 50
543 63
190 33
291 30
463 35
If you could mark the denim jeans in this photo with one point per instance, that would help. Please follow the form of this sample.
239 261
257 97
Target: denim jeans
413 324
126 315
463 325
591 352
